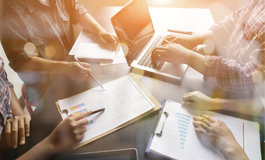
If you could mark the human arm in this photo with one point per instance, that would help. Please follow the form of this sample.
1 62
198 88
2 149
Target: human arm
176 53
78 14
90 24
191 41
201 101
69 132
71 69
219 135
18 126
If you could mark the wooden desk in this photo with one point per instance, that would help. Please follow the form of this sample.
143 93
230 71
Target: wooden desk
136 135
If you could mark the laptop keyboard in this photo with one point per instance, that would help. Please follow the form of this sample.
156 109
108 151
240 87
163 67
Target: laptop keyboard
146 59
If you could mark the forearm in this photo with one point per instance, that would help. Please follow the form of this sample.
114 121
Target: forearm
42 150
244 106
195 60
90 24
235 153
15 106
37 64
202 37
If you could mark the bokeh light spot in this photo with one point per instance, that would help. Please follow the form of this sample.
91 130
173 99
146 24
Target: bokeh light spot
257 77
124 47
209 46
138 71
30 49
50 51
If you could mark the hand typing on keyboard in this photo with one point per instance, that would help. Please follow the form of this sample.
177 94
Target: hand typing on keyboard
171 52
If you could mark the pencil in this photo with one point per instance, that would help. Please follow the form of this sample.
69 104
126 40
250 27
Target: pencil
91 75
99 110
178 31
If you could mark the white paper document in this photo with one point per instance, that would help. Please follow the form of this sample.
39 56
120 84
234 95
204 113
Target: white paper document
119 58
180 141
122 99
88 46
94 51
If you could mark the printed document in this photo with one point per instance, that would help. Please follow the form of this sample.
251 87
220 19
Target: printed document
180 141
122 99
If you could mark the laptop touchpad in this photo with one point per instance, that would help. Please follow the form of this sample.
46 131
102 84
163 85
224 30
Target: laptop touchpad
174 69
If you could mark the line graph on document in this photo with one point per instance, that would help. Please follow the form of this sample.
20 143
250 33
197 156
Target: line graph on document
115 106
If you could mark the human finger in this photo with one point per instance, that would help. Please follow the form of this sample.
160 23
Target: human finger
188 104
81 130
102 40
79 137
187 97
82 122
198 130
14 133
202 125
201 119
113 41
84 69
27 125
8 133
157 54
209 118
21 131
170 37
81 115
79 76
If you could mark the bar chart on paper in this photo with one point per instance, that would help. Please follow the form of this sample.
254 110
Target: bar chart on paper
81 108
183 126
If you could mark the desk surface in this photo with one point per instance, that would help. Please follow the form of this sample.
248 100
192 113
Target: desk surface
136 135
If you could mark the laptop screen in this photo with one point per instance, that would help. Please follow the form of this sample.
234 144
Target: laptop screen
133 26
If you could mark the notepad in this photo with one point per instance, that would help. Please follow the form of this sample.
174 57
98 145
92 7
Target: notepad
94 51
180 141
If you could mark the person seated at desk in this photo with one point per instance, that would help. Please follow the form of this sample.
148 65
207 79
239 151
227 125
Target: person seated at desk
38 35
15 123
12 118
239 40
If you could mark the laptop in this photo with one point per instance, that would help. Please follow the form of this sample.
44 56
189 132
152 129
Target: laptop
135 31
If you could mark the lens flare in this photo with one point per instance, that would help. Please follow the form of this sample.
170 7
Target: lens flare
257 77
138 71
209 46
30 49
124 47
50 51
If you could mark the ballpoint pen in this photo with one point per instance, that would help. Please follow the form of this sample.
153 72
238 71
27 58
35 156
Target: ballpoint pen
90 74
99 110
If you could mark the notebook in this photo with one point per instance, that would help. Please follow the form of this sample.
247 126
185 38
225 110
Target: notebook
178 138
94 51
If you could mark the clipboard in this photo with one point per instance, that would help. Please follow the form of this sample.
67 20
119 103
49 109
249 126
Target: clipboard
153 133
157 106
193 142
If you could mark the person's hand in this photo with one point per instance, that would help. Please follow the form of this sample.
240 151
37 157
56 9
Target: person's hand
199 100
77 72
18 126
187 41
69 132
110 41
171 52
219 135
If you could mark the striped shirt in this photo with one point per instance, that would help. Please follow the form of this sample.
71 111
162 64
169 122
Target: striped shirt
39 28
5 97
240 37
